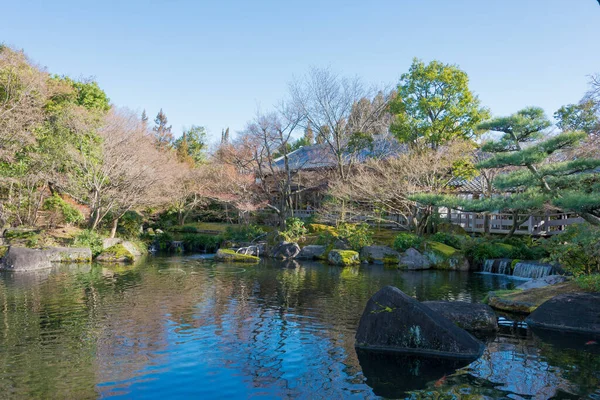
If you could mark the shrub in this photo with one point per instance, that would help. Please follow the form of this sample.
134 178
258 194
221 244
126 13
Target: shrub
449 239
480 250
357 235
130 224
206 243
243 233
320 228
91 239
577 249
589 283
163 240
294 231
61 210
405 241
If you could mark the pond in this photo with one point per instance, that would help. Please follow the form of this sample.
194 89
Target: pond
183 327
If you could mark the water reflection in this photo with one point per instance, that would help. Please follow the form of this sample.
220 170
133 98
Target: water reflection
186 326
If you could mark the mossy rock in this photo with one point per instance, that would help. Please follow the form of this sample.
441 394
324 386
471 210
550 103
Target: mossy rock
379 255
447 227
343 257
443 256
116 254
526 301
228 255
3 251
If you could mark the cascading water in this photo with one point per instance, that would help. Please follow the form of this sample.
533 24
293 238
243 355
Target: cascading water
488 266
532 270
497 266
504 267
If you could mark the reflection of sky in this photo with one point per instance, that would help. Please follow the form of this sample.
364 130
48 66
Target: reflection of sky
518 368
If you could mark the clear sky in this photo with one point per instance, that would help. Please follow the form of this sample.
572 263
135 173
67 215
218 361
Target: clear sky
213 63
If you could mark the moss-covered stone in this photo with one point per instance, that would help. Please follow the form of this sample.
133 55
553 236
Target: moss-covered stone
526 301
3 251
116 253
379 255
443 256
228 255
343 257
321 228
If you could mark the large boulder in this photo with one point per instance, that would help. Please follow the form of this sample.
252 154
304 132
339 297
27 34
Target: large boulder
412 259
69 254
574 312
394 321
110 242
24 259
543 282
379 255
230 255
116 254
132 248
285 250
343 257
443 256
474 317
312 252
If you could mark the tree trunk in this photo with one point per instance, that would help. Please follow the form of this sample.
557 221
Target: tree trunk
113 229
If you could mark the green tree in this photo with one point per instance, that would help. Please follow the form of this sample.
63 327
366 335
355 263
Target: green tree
542 173
196 143
162 131
579 117
434 105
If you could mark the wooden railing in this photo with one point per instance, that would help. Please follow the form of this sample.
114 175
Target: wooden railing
537 225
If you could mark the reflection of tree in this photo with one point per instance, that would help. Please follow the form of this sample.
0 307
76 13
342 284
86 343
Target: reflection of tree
273 326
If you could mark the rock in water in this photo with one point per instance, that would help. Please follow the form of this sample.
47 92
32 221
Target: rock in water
343 257
23 259
474 317
379 255
312 252
573 312
285 251
394 321
69 254
414 260
542 282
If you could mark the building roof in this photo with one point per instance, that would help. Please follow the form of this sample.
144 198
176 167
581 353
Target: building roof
321 155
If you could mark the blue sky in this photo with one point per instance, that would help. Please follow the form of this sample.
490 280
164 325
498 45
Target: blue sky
213 63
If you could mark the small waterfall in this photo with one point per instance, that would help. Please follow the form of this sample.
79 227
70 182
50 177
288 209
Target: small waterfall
488 266
532 270
504 266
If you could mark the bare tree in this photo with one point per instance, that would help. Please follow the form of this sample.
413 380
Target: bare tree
127 172
336 108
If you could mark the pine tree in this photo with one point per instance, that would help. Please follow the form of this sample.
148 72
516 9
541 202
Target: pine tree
144 117
162 131
543 174
183 150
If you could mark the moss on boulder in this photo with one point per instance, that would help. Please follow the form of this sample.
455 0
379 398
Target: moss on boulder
115 254
526 301
229 255
343 257
443 256
379 255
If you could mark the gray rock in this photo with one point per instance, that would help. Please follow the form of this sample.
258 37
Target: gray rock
379 255
24 259
474 317
574 312
132 248
394 321
69 254
285 251
312 252
343 257
412 259
341 244
230 255
442 256
542 282
110 242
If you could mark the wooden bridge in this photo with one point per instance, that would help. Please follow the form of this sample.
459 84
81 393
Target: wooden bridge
536 225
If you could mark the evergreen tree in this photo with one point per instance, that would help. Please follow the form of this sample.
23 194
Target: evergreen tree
162 131
192 145
542 174
144 118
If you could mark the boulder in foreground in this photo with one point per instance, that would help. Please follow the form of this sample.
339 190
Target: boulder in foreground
24 259
573 312
116 254
394 321
285 251
443 256
542 282
474 317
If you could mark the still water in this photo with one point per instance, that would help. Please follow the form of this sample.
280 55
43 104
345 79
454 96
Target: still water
191 328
